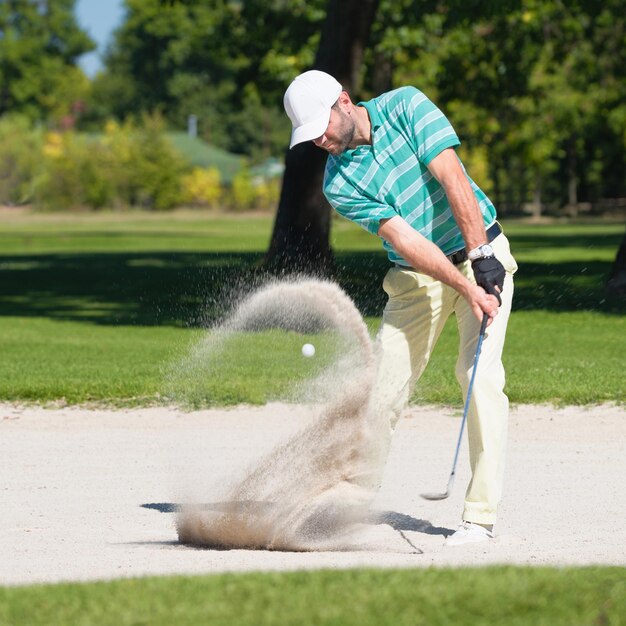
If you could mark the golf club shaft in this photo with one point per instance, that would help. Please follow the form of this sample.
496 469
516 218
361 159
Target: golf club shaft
468 398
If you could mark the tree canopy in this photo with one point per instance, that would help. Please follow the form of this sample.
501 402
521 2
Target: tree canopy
225 62
535 88
40 43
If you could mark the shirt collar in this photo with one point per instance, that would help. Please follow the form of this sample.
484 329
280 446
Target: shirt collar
375 120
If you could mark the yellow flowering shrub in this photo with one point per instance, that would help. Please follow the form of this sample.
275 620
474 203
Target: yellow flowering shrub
201 187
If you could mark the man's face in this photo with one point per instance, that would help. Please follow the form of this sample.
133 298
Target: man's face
339 132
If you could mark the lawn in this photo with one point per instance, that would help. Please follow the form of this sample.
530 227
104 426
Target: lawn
493 595
105 307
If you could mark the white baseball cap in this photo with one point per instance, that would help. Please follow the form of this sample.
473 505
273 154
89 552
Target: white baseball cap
308 101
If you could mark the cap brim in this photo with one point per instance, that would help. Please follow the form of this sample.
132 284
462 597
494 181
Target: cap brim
310 131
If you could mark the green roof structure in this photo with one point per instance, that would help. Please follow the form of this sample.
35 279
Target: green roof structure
202 154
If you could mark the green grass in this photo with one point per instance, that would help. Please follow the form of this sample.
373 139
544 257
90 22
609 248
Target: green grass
559 358
132 232
46 360
103 307
590 596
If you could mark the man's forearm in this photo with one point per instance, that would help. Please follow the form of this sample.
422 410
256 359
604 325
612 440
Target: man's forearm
426 258
423 255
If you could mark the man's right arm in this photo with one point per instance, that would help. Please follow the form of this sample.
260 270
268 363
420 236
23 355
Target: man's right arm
427 258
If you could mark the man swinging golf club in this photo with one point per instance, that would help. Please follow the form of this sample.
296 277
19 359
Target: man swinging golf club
393 170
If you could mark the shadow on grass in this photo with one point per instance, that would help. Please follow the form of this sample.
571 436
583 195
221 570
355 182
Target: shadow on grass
181 289
196 289
156 288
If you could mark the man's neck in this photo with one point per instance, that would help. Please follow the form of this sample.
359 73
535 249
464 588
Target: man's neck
363 133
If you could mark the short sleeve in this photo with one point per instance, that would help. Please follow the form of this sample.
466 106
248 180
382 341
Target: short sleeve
432 132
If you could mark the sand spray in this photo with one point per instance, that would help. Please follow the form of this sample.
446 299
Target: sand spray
312 492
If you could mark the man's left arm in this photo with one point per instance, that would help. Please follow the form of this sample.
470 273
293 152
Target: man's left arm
446 168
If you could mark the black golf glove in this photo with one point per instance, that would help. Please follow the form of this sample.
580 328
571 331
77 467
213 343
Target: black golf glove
489 273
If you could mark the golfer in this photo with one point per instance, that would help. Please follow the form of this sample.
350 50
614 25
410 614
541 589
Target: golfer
393 170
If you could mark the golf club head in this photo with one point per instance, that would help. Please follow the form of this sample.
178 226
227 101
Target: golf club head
435 496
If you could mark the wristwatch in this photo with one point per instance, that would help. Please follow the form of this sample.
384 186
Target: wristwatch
485 250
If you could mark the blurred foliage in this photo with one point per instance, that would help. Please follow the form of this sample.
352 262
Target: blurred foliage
133 164
20 151
130 164
146 163
539 84
251 192
225 62
202 187
536 89
73 173
40 43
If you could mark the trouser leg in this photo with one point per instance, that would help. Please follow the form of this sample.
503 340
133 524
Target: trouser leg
414 316
489 406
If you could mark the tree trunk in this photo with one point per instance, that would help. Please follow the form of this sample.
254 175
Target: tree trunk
536 203
497 185
616 284
382 73
300 240
572 179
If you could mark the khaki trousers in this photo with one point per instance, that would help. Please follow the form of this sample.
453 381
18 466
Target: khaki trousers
413 319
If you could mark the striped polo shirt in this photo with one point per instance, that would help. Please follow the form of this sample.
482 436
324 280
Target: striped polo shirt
391 177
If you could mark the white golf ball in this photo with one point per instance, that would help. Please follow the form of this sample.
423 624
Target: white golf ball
308 349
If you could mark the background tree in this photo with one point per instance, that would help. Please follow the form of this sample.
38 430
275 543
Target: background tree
224 62
535 88
40 43
300 240
538 84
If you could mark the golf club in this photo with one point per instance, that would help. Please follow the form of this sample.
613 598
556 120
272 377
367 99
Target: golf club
443 496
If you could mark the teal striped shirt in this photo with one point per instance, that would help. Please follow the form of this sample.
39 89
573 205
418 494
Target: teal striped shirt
391 177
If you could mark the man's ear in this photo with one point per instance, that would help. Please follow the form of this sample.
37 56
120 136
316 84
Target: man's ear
344 100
